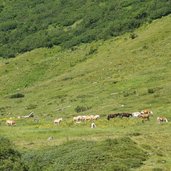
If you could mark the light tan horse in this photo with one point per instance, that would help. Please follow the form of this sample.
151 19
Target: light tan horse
147 111
161 119
10 122
144 117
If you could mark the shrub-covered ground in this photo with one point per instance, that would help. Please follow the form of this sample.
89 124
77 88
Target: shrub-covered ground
114 155
27 25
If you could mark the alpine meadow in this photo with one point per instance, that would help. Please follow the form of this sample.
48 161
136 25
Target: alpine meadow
85 85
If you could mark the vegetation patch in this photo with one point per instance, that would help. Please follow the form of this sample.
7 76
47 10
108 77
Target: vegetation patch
31 106
133 35
10 159
27 25
79 109
17 95
111 154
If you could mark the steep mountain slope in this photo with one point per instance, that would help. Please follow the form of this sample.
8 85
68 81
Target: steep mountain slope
120 74
27 25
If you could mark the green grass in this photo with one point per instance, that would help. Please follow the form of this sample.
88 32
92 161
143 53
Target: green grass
119 72
149 138
118 75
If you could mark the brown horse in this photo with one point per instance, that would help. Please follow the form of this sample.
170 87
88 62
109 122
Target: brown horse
119 115
145 117
112 116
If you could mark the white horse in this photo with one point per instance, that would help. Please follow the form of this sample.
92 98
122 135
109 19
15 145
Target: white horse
93 125
57 121
96 117
136 114
77 118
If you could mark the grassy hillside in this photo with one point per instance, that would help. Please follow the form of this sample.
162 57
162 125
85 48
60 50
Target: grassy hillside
101 76
117 75
27 25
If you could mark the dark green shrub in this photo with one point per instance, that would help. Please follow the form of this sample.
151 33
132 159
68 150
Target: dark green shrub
31 106
10 159
151 90
135 134
47 23
133 35
129 93
1 8
92 51
81 108
17 95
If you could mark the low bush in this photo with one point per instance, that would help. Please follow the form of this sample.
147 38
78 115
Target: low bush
31 106
82 108
10 159
133 35
151 90
17 95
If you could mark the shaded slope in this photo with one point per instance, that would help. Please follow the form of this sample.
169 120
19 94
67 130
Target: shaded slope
27 25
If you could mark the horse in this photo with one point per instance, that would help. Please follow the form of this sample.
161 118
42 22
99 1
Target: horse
120 115
145 117
112 116
136 114
147 111
93 125
96 117
57 121
127 115
161 119
10 122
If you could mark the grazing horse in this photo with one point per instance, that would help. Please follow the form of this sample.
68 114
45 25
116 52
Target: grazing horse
120 115
145 117
86 118
76 118
96 117
57 121
112 116
127 115
10 122
136 114
92 117
147 111
93 125
161 119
